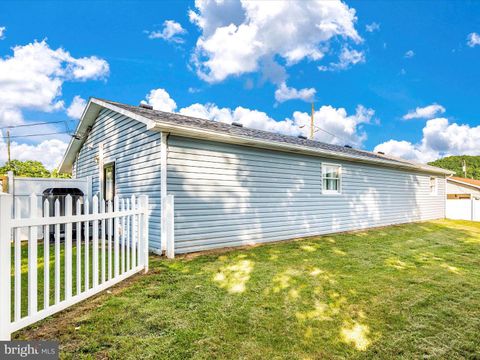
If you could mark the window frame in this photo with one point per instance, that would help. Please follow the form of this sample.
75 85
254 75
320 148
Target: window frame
435 187
340 182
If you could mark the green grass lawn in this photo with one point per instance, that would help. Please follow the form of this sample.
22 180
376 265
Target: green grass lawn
410 291
51 267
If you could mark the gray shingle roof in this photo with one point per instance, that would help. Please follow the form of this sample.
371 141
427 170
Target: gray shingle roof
223 128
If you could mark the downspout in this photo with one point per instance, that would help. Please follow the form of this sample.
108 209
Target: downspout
100 172
446 196
163 189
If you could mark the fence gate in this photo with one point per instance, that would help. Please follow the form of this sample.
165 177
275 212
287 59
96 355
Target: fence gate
79 255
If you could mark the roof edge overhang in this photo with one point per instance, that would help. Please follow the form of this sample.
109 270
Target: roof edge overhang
90 114
95 105
259 143
464 183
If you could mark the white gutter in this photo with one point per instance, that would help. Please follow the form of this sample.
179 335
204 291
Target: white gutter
245 140
463 183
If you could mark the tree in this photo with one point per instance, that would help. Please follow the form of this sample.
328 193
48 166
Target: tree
56 174
455 164
28 168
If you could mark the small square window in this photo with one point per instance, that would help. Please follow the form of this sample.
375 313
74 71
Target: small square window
433 185
331 179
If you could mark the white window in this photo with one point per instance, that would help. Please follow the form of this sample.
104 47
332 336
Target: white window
331 178
433 185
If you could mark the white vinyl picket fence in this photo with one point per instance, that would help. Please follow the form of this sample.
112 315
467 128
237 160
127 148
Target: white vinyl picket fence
89 249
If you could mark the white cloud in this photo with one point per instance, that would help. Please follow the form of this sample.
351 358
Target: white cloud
171 32
346 129
49 152
3 30
347 58
91 68
240 36
10 116
161 100
440 138
473 39
372 27
403 149
284 93
33 76
409 54
193 90
426 112
32 79
75 110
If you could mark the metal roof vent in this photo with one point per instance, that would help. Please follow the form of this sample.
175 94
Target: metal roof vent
347 146
380 152
237 124
146 106
302 137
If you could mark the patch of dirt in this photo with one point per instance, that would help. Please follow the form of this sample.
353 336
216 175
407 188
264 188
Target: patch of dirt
65 321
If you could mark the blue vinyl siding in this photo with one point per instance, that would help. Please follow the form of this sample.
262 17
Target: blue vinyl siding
232 195
136 152
229 195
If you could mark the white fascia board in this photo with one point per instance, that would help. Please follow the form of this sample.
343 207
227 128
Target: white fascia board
89 116
243 140
463 183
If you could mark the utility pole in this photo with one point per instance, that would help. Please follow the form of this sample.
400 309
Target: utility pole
312 123
8 146
464 168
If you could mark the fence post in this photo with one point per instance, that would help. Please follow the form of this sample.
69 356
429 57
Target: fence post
116 237
89 181
5 267
143 199
68 249
170 226
33 258
11 183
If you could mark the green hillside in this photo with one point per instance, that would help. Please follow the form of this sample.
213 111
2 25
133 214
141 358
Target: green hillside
454 163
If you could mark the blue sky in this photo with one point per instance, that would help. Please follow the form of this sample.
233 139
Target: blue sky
416 54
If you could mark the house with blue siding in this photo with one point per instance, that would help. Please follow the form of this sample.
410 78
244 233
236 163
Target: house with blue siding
237 186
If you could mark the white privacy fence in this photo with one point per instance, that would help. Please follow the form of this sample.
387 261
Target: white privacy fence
23 187
463 209
83 252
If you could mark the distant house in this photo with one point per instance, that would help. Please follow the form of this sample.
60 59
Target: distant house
462 188
236 186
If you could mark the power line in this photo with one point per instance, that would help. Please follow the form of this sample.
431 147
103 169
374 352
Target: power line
314 128
34 124
34 135
329 133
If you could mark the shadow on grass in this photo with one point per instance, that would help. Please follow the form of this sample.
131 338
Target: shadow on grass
411 291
